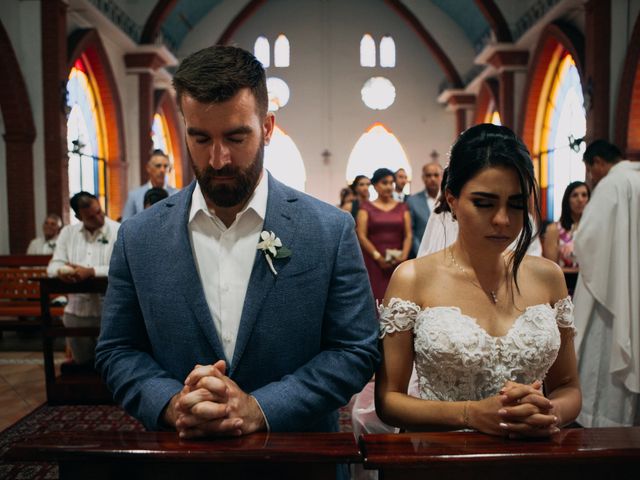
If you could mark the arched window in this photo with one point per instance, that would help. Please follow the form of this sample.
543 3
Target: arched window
284 161
387 52
261 51
492 115
563 121
86 134
376 148
161 138
281 51
367 51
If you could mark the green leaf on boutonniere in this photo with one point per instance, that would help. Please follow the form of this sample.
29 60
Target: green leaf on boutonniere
283 252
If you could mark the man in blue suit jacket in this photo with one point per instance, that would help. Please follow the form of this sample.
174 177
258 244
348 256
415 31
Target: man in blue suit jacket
202 262
422 203
157 168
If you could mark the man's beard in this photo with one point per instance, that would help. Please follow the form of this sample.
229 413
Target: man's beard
230 194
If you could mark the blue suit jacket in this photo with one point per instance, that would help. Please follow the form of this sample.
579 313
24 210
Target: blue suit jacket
308 337
135 200
420 211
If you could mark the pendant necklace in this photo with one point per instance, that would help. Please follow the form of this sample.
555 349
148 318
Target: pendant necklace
492 294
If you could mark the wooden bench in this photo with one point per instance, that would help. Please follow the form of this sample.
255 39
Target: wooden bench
78 387
20 292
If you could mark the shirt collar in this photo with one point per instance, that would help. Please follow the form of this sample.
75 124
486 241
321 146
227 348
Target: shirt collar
257 202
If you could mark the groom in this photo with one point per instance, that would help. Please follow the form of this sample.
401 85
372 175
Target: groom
238 304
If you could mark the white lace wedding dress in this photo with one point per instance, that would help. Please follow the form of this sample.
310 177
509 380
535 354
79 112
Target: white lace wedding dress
456 359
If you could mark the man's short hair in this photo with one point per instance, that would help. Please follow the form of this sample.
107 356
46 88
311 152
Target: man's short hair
397 172
81 200
603 149
158 153
216 74
154 195
55 217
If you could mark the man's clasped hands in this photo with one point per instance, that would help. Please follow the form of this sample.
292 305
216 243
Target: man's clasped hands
210 403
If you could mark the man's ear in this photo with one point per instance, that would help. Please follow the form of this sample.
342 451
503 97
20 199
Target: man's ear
268 124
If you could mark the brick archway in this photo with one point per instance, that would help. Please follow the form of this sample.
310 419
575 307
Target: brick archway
86 44
488 95
19 136
166 105
628 106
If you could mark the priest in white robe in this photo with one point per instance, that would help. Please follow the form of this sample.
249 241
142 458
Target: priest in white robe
607 295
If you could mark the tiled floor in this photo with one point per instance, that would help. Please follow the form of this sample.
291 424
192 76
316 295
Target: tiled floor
22 386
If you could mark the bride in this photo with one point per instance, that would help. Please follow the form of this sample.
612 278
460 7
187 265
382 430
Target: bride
490 329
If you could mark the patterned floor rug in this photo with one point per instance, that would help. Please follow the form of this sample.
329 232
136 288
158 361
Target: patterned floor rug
103 418
47 419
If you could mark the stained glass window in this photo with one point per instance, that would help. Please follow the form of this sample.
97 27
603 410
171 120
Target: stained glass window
367 51
281 51
564 121
86 140
261 51
161 139
284 161
387 52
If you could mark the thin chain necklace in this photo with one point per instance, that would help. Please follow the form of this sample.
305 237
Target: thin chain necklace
492 294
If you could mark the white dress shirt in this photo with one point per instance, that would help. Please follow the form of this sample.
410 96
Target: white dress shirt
79 246
431 202
224 258
40 246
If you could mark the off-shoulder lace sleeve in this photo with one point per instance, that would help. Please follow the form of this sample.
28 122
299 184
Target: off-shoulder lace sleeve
564 314
397 316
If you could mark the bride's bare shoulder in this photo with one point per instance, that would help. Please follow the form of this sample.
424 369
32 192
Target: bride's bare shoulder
411 277
545 273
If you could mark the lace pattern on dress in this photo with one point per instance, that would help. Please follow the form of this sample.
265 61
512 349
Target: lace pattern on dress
564 314
399 315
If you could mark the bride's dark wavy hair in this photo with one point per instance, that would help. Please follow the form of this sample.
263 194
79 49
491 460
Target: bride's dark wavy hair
487 145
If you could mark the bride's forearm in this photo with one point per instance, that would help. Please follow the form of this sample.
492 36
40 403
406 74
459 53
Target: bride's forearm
567 402
411 413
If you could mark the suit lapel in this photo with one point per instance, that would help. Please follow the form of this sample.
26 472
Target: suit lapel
280 219
188 279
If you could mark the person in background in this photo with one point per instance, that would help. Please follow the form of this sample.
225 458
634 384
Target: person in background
607 294
484 325
360 187
158 167
83 251
46 244
558 237
384 232
154 195
422 203
400 179
346 199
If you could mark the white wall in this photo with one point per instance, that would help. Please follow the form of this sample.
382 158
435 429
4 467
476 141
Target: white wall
325 110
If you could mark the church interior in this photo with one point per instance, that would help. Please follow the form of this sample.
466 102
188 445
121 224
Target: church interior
86 96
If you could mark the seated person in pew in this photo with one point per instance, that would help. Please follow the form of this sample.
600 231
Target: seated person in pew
154 195
238 304
46 244
83 251
490 329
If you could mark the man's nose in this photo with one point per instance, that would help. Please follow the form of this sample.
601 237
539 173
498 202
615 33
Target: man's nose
219 156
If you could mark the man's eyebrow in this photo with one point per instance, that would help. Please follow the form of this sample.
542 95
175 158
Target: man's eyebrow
243 130
196 131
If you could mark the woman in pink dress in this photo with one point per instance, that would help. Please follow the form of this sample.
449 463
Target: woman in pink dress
384 232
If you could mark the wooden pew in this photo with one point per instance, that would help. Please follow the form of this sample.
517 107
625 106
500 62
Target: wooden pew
81 387
162 455
20 292
580 453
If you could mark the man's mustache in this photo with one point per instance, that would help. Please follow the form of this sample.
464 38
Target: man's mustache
226 171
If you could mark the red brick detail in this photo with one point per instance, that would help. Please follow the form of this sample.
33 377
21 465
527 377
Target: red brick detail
165 104
152 27
19 135
238 20
628 106
461 100
87 45
507 59
146 60
553 37
597 66
54 81
145 120
488 93
495 19
507 102
461 120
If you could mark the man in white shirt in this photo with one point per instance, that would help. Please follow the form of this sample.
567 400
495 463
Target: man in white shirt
45 245
158 167
83 251
607 295
243 304
422 203
400 179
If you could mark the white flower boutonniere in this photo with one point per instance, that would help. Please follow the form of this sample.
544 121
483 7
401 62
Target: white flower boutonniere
272 248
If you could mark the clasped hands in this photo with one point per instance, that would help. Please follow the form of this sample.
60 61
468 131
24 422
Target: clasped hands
517 411
72 273
211 404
